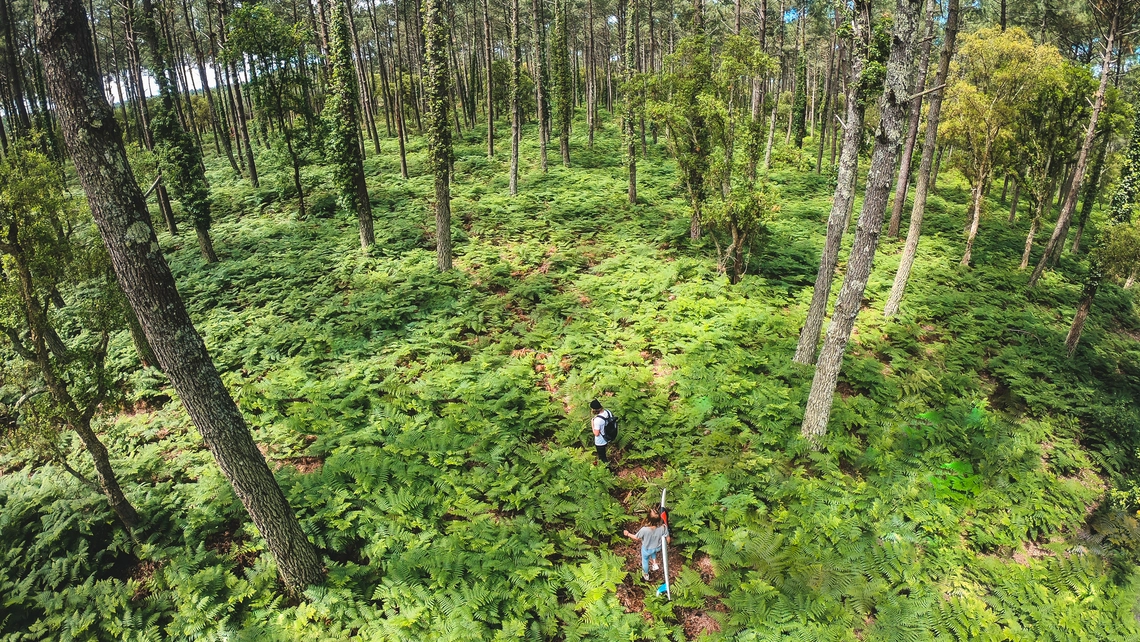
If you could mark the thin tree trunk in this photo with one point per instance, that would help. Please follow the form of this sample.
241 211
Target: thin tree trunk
95 144
893 108
1082 160
1013 201
239 113
1033 227
1078 326
539 83
516 116
1090 194
832 67
844 192
975 220
488 51
912 131
627 118
771 136
78 419
401 124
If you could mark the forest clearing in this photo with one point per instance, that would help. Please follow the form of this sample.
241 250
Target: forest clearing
310 355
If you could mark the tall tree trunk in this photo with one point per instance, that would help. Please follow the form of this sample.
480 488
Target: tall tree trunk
345 151
844 189
975 219
827 105
564 98
239 109
516 116
1082 159
1033 227
365 92
180 158
627 118
540 82
912 131
439 131
401 123
201 60
95 145
1013 201
488 50
893 108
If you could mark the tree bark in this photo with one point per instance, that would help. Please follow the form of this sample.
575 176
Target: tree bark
439 131
540 83
1033 227
1090 194
516 116
95 145
912 131
627 117
1013 201
488 51
1082 159
560 48
893 108
975 220
844 191
827 106
1073 337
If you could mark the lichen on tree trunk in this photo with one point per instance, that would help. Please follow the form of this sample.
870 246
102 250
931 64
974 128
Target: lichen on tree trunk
94 142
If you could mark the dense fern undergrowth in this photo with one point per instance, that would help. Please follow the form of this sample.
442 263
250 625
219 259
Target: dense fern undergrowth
430 430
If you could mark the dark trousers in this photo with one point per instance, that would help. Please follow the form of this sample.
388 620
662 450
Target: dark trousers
601 454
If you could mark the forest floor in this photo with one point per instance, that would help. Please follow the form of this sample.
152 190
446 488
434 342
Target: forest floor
430 429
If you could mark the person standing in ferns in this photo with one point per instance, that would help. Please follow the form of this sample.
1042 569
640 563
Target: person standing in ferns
650 536
598 425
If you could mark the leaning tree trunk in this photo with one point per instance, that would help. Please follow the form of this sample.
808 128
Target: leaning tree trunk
1082 160
1090 195
79 420
844 193
1121 211
893 107
95 144
439 132
912 131
918 209
975 218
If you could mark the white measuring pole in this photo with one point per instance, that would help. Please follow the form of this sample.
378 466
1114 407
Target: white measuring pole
665 554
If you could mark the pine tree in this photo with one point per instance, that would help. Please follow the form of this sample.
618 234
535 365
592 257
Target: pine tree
438 96
799 104
1120 211
179 156
563 98
95 144
516 114
344 137
918 208
893 107
628 135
